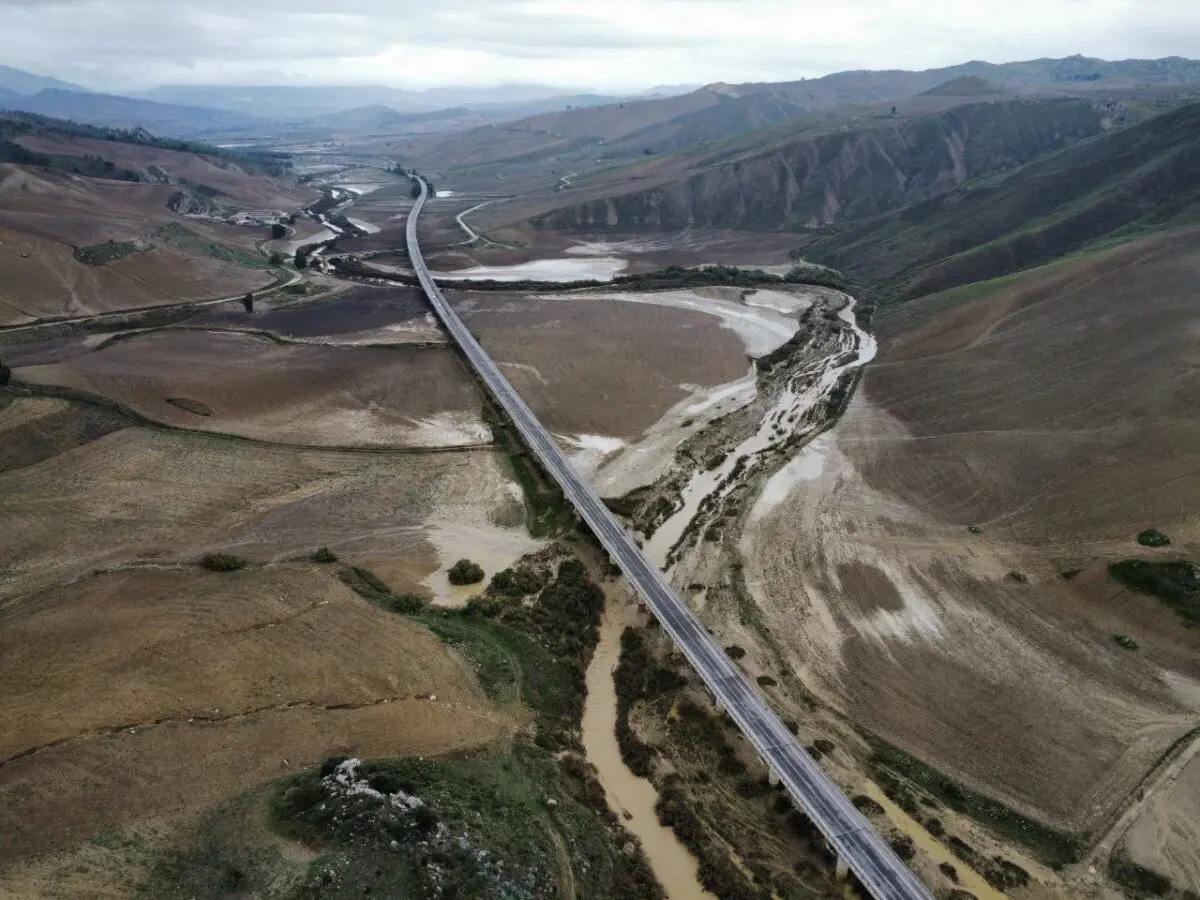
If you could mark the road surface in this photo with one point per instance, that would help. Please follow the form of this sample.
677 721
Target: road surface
848 832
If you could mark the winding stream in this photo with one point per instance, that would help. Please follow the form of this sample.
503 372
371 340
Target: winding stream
630 797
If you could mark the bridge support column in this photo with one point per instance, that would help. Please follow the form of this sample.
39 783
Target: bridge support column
843 869
772 777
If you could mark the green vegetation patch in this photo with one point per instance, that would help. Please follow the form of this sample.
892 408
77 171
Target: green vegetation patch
372 589
189 240
1125 641
222 562
516 826
1176 584
1152 537
102 254
1054 847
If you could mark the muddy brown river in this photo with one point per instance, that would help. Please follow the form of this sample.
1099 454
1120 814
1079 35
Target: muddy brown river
630 797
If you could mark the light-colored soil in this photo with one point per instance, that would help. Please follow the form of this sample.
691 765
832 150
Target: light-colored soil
1166 837
1062 428
297 394
154 497
598 367
143 694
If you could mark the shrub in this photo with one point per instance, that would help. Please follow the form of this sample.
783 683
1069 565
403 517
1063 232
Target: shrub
824 745
222 562
866 805
324 555
974 529
766 681
949 871
1152 538
1018 577
465 572
278 232
735 652
1125 641
5 374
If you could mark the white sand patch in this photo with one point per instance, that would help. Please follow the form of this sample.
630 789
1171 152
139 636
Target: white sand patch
365 226
290 247
761 329
525 367
643 462
595 269
449 429
807 466
359 189
1186 689
778 301
590 451
607 248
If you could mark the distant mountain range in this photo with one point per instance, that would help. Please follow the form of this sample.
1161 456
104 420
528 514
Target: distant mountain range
717 111
19 81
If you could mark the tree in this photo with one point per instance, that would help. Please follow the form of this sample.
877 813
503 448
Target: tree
5 373
301 257
465 572
795 255
278 231
276 258
248 302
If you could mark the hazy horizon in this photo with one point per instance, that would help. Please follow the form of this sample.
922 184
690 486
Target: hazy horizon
622 47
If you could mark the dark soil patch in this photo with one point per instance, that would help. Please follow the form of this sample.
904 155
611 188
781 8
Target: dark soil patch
362 309
43 438
1176 584
195 407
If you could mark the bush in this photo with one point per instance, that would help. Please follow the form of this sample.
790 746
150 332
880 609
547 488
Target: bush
324 555
1152 538
766 681
465 572
278 232
5 374
949 871
735 652
1125 641
222 562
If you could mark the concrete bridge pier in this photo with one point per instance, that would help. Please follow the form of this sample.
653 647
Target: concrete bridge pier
843 868
772 777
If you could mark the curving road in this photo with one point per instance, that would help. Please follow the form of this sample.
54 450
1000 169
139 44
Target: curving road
849 834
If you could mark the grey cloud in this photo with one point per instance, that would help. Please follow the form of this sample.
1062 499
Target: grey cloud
617 44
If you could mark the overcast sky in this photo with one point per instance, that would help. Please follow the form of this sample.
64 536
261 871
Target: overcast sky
605 44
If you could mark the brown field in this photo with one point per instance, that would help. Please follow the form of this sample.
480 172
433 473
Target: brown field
254 387
148 497
603 367
1031 413
247 189
45 215
150 694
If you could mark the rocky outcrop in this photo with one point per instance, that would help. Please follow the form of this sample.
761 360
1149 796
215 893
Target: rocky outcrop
816 181
188 204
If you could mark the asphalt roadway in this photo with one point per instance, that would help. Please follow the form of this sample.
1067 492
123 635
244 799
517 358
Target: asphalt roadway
849 834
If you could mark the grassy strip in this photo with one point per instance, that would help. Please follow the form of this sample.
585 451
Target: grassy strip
1054 847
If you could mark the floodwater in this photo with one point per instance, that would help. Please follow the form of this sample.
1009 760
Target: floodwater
577 269
631 797
968 878
492 547
804 391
